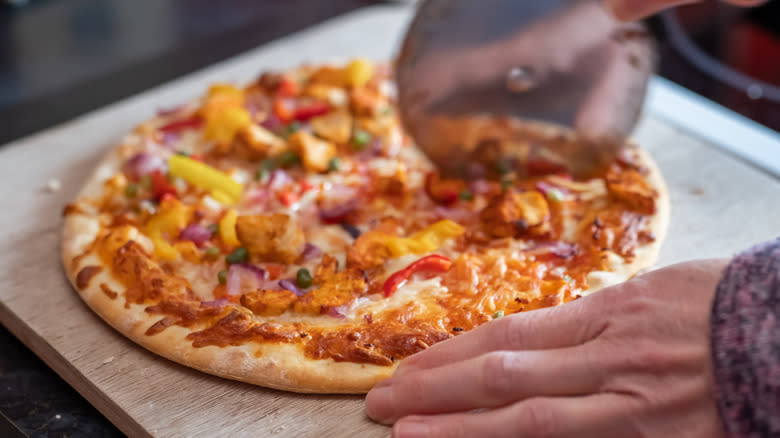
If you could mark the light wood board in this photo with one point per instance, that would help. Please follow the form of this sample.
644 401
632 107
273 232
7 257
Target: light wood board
719 206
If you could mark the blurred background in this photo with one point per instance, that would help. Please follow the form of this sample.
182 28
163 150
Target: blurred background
62 58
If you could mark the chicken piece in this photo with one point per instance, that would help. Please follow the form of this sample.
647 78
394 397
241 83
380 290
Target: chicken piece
268 302
366 102
315 153
392 184
335 126
329 75
339 290
270 238
377 126
336 96
369 250
326 270
256 143
511 213
630 187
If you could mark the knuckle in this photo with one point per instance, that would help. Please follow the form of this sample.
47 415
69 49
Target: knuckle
538 419
498 371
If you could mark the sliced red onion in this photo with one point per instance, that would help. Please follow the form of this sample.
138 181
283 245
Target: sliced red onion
279 179
142 164
545 187
197 234
339 312
563 250
311 251
214 303
289 284
244 276
374 149
272 123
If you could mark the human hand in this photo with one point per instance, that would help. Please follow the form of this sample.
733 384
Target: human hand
630 360
629 10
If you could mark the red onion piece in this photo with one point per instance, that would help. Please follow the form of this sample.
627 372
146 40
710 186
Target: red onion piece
197 234
279 179
334 215
214 303
244 277
545 187
142 164
563 250
289 284
311 251
480 187
374 149
272 123
339 312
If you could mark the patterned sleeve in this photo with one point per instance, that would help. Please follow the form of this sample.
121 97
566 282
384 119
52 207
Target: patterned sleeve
746 343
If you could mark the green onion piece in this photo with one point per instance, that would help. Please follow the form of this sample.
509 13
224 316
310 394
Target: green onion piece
240 255
334 164
213 228
360 139
131 190
555 195
287 159
182 153
212 252
222 277
506 185
466 195
262 174
498 314
503 166
303 278
146 182
567 279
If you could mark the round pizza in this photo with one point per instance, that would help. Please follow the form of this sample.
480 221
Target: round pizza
287 233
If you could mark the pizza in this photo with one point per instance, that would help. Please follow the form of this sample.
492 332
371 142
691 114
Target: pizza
287 233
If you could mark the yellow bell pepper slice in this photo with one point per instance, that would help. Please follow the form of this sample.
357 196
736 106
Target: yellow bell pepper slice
227 228
168 222
426 240
220 98
205 177
359 72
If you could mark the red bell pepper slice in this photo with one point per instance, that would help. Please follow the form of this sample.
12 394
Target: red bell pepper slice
541 167
161 187
288 88
194 122
311 110
288 198
284 109
443 191
431 263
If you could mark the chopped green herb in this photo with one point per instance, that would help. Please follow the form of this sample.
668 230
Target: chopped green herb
268 164
466 195
213 228
287 159
222 277
212 252
146 182
292 128
182 153
240 255
555 195
360 139
303 278
334 164
503 167
262 174
506 185
498 314
131 190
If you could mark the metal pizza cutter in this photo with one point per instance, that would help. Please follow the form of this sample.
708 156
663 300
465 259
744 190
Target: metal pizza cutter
531 85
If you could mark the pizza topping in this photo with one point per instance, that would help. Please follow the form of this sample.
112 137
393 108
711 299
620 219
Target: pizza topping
259 143
197 234
270 238
176 126
433 263
221 186
172 217
443 191
303 278
315 153
630 187
336 126
268 302
340 289
142 164
161 187
240 255
227 228
511 213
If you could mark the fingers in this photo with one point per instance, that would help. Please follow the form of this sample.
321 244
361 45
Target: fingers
557 327
487 381
596 416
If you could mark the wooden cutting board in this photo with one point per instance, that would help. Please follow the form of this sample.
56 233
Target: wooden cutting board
719 206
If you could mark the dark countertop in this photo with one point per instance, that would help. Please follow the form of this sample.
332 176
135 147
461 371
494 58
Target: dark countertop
62 58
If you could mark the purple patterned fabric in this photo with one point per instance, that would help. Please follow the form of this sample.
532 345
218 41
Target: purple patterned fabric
746 343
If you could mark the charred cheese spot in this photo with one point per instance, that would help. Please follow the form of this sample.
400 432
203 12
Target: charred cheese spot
86 274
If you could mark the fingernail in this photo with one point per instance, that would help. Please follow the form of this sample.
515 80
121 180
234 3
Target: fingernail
377 401
410 429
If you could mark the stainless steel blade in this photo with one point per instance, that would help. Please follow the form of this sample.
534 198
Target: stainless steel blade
557 81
